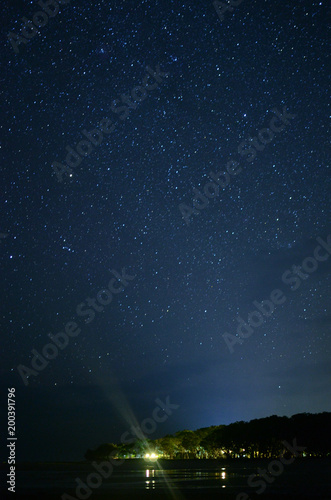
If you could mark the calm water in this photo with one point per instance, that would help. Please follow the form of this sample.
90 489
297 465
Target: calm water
180 479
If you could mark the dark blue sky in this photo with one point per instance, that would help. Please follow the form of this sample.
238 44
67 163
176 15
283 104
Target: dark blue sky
218 85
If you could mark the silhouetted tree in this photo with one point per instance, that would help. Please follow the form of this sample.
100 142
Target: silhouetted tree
259 438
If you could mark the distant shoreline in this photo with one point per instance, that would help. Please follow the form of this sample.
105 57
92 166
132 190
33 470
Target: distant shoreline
4 465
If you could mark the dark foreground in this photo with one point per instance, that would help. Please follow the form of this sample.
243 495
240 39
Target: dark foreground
173 480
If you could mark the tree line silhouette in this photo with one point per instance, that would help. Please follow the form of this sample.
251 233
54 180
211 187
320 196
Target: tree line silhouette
259 438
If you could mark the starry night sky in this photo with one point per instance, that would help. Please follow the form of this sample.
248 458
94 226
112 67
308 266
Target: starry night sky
162 335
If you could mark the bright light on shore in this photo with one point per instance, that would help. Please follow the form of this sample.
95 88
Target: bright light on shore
151 455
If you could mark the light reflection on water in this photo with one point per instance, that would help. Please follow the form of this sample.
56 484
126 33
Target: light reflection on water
159 478
311 477
150 484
